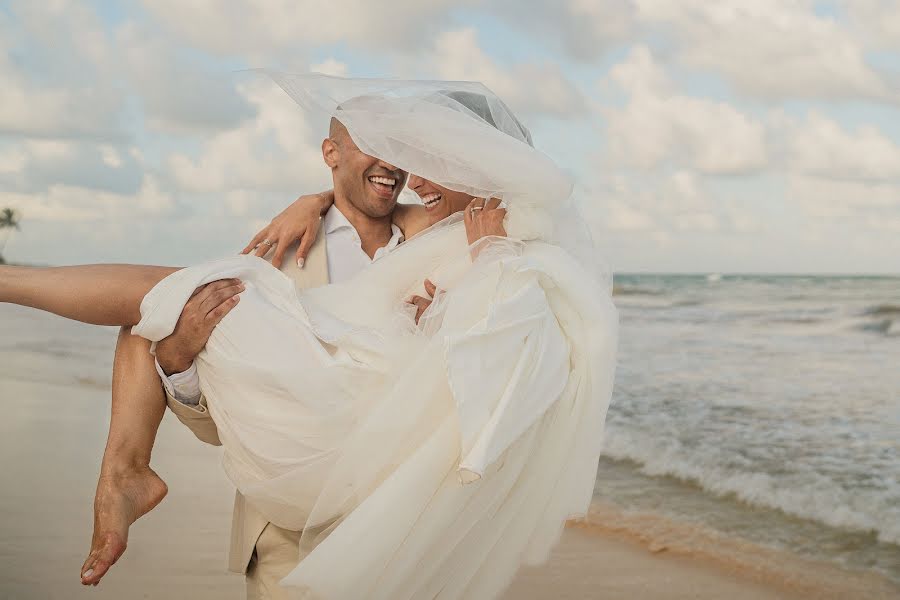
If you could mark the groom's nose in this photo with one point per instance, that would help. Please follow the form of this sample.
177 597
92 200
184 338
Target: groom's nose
399 173
388 166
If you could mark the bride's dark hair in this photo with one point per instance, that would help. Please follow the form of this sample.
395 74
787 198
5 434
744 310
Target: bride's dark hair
492 111
481 107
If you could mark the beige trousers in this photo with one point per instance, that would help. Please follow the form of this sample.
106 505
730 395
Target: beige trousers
277 553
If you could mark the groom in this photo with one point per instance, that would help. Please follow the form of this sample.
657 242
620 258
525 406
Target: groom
357 230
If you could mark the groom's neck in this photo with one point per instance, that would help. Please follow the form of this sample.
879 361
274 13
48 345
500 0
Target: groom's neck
374 232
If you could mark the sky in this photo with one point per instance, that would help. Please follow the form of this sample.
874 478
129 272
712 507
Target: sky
727 136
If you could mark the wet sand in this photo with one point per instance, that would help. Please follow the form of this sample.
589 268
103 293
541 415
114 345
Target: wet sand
51 439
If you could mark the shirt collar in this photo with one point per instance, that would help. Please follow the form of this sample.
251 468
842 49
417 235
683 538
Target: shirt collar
335 219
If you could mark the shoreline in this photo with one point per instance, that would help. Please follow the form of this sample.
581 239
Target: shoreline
691 551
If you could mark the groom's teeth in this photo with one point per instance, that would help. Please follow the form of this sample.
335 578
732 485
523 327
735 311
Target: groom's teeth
383 180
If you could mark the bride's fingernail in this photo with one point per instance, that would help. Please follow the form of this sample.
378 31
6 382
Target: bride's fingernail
87 573
300 262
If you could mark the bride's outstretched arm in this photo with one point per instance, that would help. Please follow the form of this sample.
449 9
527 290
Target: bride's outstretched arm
96 294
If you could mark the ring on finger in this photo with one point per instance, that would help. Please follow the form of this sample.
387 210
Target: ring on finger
267 243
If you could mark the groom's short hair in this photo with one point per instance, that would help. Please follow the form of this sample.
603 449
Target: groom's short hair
336 129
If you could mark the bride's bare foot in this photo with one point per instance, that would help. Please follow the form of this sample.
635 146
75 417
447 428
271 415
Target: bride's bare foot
122 498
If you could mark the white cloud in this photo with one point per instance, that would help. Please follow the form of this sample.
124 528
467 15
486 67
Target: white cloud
820 146
273 151
331 66
64 203
266 29
110 156
837 200
51 69
768 48
658 126
621 216
540 88
876 22
175 93
35 165
585 29
673 203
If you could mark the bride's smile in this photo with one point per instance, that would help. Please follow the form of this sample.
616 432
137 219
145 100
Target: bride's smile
439 201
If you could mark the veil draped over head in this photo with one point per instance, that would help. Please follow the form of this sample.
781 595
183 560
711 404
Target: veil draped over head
455 133
430 460
462 136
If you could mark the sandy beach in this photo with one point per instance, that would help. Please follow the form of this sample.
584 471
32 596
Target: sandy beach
50 444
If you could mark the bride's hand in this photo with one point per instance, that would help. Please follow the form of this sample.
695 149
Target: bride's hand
484 219
421 302
300 221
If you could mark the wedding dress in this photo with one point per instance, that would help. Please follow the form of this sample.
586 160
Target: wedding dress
425 461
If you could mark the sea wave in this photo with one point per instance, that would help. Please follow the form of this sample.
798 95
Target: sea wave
660 533
633 290
881 318
815 497
887 327
883 310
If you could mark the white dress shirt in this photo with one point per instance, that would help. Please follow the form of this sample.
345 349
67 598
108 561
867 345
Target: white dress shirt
346 258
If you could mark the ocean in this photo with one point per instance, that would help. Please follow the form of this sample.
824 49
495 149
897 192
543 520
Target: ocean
759 408
749 413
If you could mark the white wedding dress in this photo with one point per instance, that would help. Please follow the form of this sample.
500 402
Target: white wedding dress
424 461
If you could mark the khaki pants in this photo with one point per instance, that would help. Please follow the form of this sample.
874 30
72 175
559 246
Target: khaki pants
277 553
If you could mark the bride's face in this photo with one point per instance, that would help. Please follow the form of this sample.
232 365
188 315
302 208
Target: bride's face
439 201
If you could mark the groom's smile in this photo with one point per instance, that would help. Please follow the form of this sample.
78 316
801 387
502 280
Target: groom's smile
384 185
371 184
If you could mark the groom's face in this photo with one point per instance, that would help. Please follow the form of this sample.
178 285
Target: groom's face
370 184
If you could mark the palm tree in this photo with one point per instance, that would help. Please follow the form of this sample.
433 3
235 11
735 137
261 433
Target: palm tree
9 219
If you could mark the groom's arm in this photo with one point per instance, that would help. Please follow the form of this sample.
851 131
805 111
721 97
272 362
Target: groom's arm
175 355
184 398
196 417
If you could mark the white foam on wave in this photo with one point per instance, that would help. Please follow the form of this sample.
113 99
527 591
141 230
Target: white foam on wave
894 328
810 496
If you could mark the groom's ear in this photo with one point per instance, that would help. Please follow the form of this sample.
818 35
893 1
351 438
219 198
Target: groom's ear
331 153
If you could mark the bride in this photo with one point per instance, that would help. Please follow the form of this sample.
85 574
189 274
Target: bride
420 460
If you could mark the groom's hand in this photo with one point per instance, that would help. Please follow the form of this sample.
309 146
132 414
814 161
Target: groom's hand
207 307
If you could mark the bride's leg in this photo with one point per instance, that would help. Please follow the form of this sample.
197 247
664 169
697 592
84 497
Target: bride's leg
128 488
96 294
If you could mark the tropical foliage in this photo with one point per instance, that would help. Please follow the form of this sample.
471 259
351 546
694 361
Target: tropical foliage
9 220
